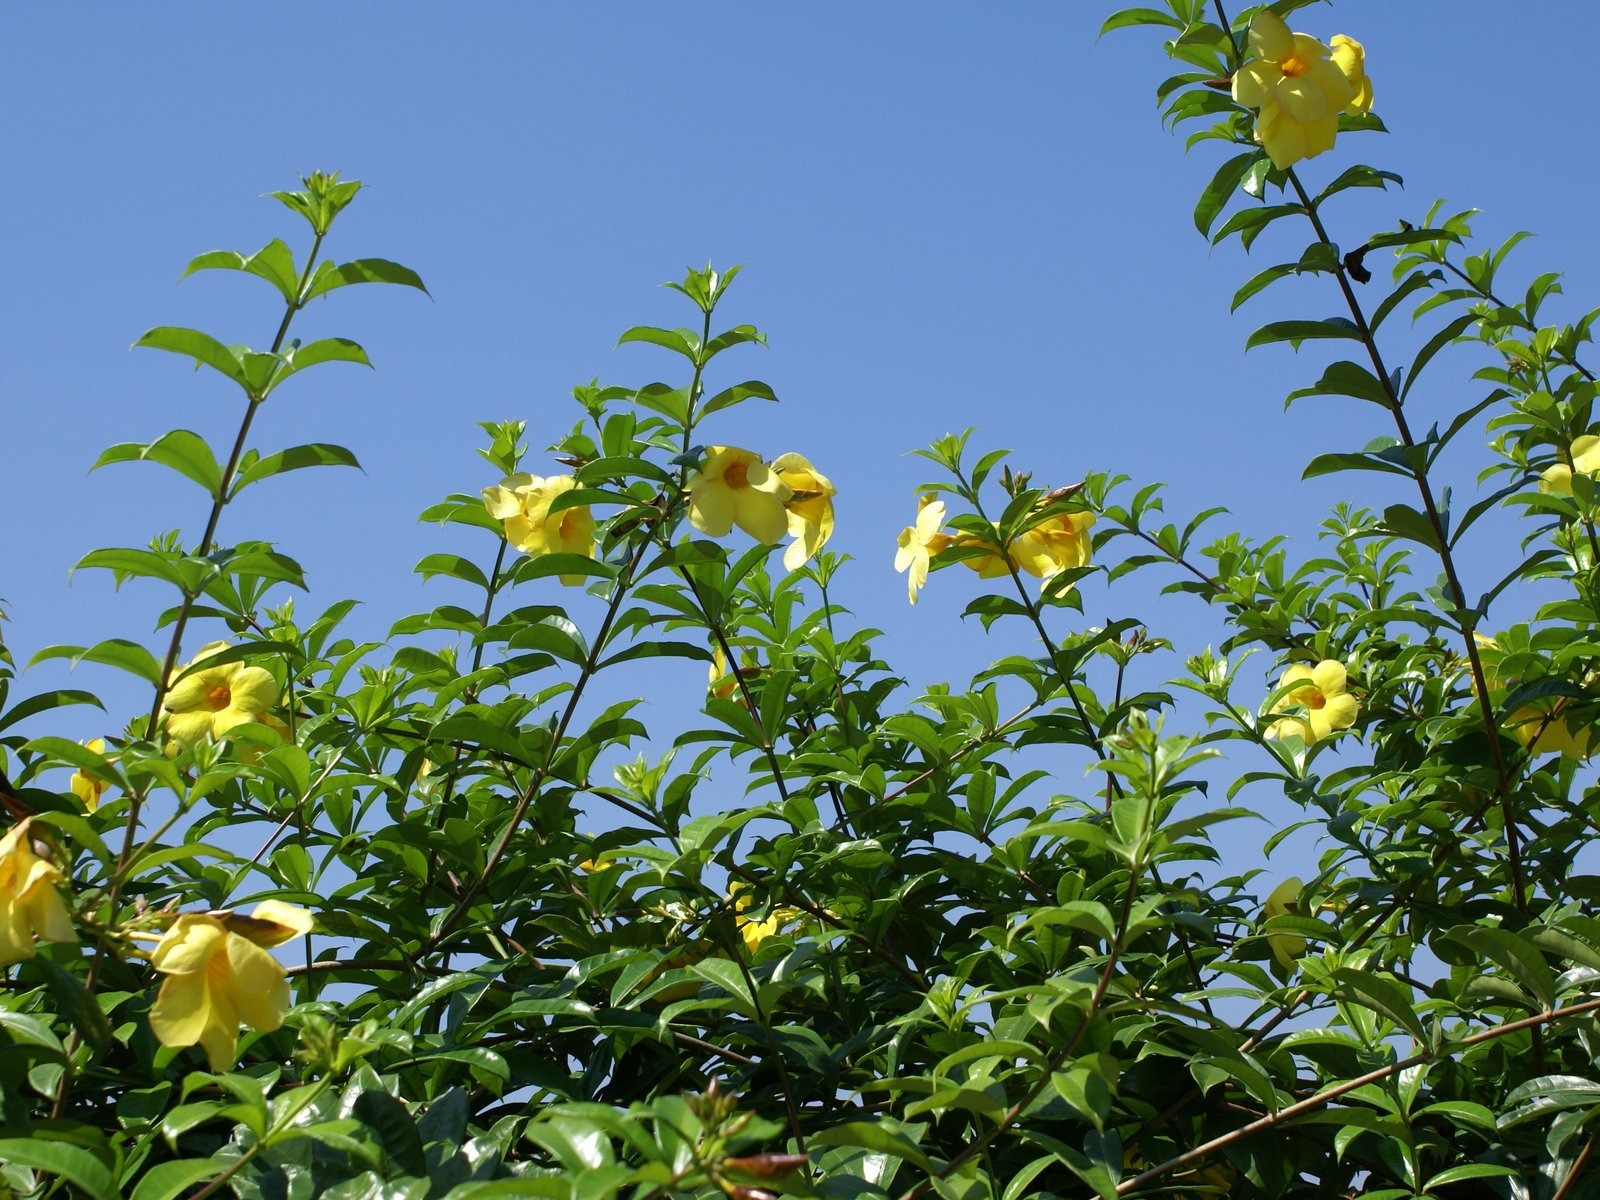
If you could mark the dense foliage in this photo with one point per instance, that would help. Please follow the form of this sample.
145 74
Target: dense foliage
438 916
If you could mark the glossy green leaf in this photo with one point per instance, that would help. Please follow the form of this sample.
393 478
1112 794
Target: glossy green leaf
274 262
184 452
327 277
64 1160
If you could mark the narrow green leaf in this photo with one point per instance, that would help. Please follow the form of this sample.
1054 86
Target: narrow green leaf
43 702
327 277
274 262
1295 332
169 1179
202 347
181 450
1138 16
1382 995
73 1163
1220 190
1345 378
728 397
679 341
295 458
114 652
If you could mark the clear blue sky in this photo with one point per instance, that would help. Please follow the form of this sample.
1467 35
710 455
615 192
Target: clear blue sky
950 214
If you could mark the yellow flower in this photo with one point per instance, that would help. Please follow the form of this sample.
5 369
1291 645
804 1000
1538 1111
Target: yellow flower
1541 727
30 904
219 976
722 682
734 487
919 542
755 932
1286 947
810 508
212 700
86 787
523 503
1350 56
1298 88
1320 691
1057 544
1585 455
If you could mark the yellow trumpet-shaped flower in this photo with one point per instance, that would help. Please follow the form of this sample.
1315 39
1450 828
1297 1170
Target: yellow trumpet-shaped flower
1286 947
219 976
1584 454
1543 726
752 931
1055 545
919 542
810 508
30 899
207 702
523 503
1298 88
86 787
734 487
1319 692
1350 56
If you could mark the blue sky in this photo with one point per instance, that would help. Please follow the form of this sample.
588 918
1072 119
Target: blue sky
950 215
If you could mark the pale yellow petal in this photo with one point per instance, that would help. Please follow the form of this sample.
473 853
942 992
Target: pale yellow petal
182 1010
1270 37
1329 677
286 921
760 514
187 946
257 988
1253 83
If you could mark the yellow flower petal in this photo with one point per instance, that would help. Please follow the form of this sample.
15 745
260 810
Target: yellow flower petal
182 1010
188 944
1270 37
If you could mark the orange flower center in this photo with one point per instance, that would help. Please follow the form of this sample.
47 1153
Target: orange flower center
1293 66
219 697
736 475
568 528
1315 699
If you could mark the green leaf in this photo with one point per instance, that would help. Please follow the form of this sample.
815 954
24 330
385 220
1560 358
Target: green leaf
1470 1171
361 270
454 566
1139 16
1403 521
1259 281
1328 464
166 1180
1359 176
72 1163
728 977
679 341
1517 958
1345 379
114 652
869 1135
1220 190
295 458
202 347
131 563
1295 332
184 452
728 397
1435 344
1383 996
397 1133
274 262
43 702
